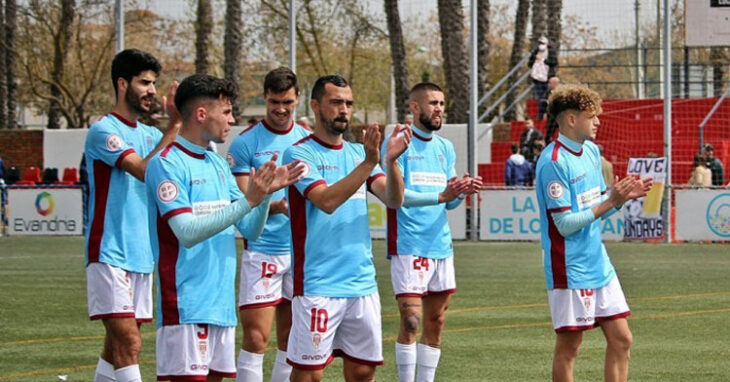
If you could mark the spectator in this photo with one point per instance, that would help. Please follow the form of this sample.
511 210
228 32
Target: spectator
552 125
701 175
541 64
606 168
537 148
528 138
715 166
518 171
408 120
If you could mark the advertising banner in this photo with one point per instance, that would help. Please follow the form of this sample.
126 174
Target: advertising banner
45 211
702 214
643 217
513 215
378 214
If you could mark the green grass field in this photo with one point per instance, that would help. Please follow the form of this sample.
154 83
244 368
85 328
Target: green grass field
497 329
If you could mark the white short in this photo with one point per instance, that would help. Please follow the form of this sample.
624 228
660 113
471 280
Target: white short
583 309
324 327
115 293
265 280
414 276
191 352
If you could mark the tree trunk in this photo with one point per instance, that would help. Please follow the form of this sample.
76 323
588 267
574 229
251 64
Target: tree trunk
483 47
717 58
523 11
60 49
3 74
11 27
398 56
539 21
232 50
554 30
456 62
203 30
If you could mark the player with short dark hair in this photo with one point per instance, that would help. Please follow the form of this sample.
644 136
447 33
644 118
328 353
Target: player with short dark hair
119 260
197 202
336 307
418 235
583 289
265 288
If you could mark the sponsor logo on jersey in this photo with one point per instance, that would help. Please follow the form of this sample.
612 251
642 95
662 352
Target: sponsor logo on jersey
114 142
589 198
579 178
167 191
265 153
419 178
555 190
327 167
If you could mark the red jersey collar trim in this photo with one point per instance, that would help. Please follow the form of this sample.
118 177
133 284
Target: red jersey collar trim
579 153
186 151
124 120
275 131
325 144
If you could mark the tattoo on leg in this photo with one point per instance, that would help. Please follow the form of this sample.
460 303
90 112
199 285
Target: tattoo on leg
406 305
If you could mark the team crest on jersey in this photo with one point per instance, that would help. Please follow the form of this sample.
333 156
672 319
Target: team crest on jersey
265 281
167 191
306 168
203 347
114 142
555 190
231 160
316 341
587 302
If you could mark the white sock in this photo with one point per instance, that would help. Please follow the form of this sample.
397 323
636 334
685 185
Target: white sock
250 367
282 370
104 371
405 359
428 359
128 374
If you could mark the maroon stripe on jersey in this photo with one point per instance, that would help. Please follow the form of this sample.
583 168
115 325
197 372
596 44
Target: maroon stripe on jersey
342 354
166 150
241 173
121 156
372 179
222 374
557 255
558 209
185 378
413 133
124 120
102 177
176 211
613 317
327 145
264 304
556 151
298 212
186 151
579 153
308 137
112 315
312 186
392 232
564 329
248 129
302 366
168 254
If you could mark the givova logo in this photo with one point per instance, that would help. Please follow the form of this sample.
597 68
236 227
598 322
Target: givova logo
44 204
718 215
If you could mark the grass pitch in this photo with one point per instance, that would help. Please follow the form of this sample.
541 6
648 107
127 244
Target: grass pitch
497 329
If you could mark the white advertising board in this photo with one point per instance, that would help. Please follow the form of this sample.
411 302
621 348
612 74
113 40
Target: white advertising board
513 215
45 211
702 214
378 214
706 22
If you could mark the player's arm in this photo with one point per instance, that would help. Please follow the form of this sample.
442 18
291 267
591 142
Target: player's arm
390 189
136 165
330 197
191 230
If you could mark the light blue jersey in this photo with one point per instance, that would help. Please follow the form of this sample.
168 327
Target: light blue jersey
423 231
116 235
331 252
253 148
197 284
569 178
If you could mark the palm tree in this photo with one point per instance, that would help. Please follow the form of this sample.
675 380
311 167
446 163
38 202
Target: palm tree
523 11
483 47
456 68
398 56
232 49
203 30
62 40
554 30
11 83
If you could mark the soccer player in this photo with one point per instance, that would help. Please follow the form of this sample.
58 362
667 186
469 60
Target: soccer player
583 289
419 238
197 201
119 259
265 288
336 308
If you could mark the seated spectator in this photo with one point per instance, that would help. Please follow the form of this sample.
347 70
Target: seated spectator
701 175
518 171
